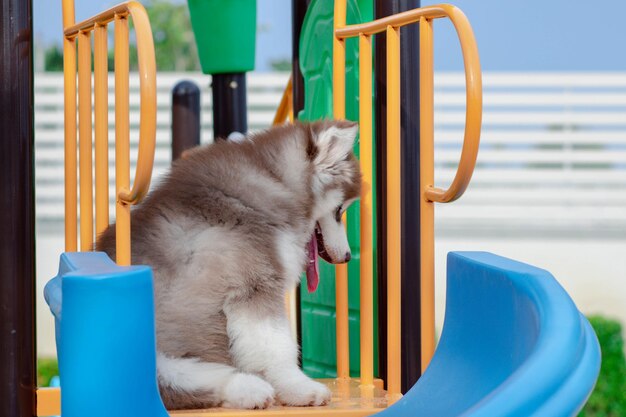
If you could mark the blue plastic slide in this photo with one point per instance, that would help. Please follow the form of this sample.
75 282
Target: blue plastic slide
513 343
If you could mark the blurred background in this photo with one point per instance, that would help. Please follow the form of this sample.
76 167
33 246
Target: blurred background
550 184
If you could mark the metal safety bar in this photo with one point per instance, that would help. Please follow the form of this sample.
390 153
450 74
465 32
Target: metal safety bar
391 26
126 195
341 270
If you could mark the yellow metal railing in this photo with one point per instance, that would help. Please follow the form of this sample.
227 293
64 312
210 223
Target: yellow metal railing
391 26
284 112
48 399
125 195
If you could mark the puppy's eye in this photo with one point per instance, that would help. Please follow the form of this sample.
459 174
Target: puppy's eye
338 214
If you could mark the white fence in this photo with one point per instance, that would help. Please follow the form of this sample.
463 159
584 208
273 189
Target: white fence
552 163
264 93
552 156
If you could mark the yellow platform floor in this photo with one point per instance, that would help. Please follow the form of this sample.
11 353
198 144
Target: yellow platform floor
349 399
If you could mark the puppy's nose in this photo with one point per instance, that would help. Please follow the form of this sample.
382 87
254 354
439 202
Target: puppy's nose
348 257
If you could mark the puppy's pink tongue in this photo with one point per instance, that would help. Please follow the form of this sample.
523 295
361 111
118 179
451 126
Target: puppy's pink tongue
312 269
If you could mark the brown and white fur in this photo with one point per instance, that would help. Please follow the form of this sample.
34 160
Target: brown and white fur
225 233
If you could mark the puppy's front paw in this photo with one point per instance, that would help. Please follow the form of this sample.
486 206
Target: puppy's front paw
247 391
303 392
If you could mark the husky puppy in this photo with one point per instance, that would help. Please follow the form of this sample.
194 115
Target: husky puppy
228 232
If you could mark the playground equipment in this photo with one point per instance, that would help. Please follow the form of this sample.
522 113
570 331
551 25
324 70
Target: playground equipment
513 342
227 60
185 117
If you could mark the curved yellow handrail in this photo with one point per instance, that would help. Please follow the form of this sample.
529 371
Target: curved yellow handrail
147 89
126 195
473 111
147 112
473 79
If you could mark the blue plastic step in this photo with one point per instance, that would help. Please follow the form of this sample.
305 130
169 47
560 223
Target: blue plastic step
106 339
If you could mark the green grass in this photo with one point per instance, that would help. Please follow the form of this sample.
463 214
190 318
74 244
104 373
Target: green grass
46 369
608 399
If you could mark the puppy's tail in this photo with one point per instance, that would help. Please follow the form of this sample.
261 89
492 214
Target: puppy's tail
187 383
176 399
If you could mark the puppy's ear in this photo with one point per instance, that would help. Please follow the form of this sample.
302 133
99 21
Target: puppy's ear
332 141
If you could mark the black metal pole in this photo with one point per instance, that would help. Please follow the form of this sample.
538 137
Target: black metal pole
411 261
17 206
298 11
380 89
230 113
185 117
409 107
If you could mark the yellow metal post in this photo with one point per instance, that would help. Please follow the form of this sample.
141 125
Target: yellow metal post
71 197
339 63
393 215
48 402
365 155
284 112
85 141
341 271
101 110
341 301
69 119
122 146
68 13
426 180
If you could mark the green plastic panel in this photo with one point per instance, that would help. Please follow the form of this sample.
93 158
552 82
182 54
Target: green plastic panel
225 32
318 309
